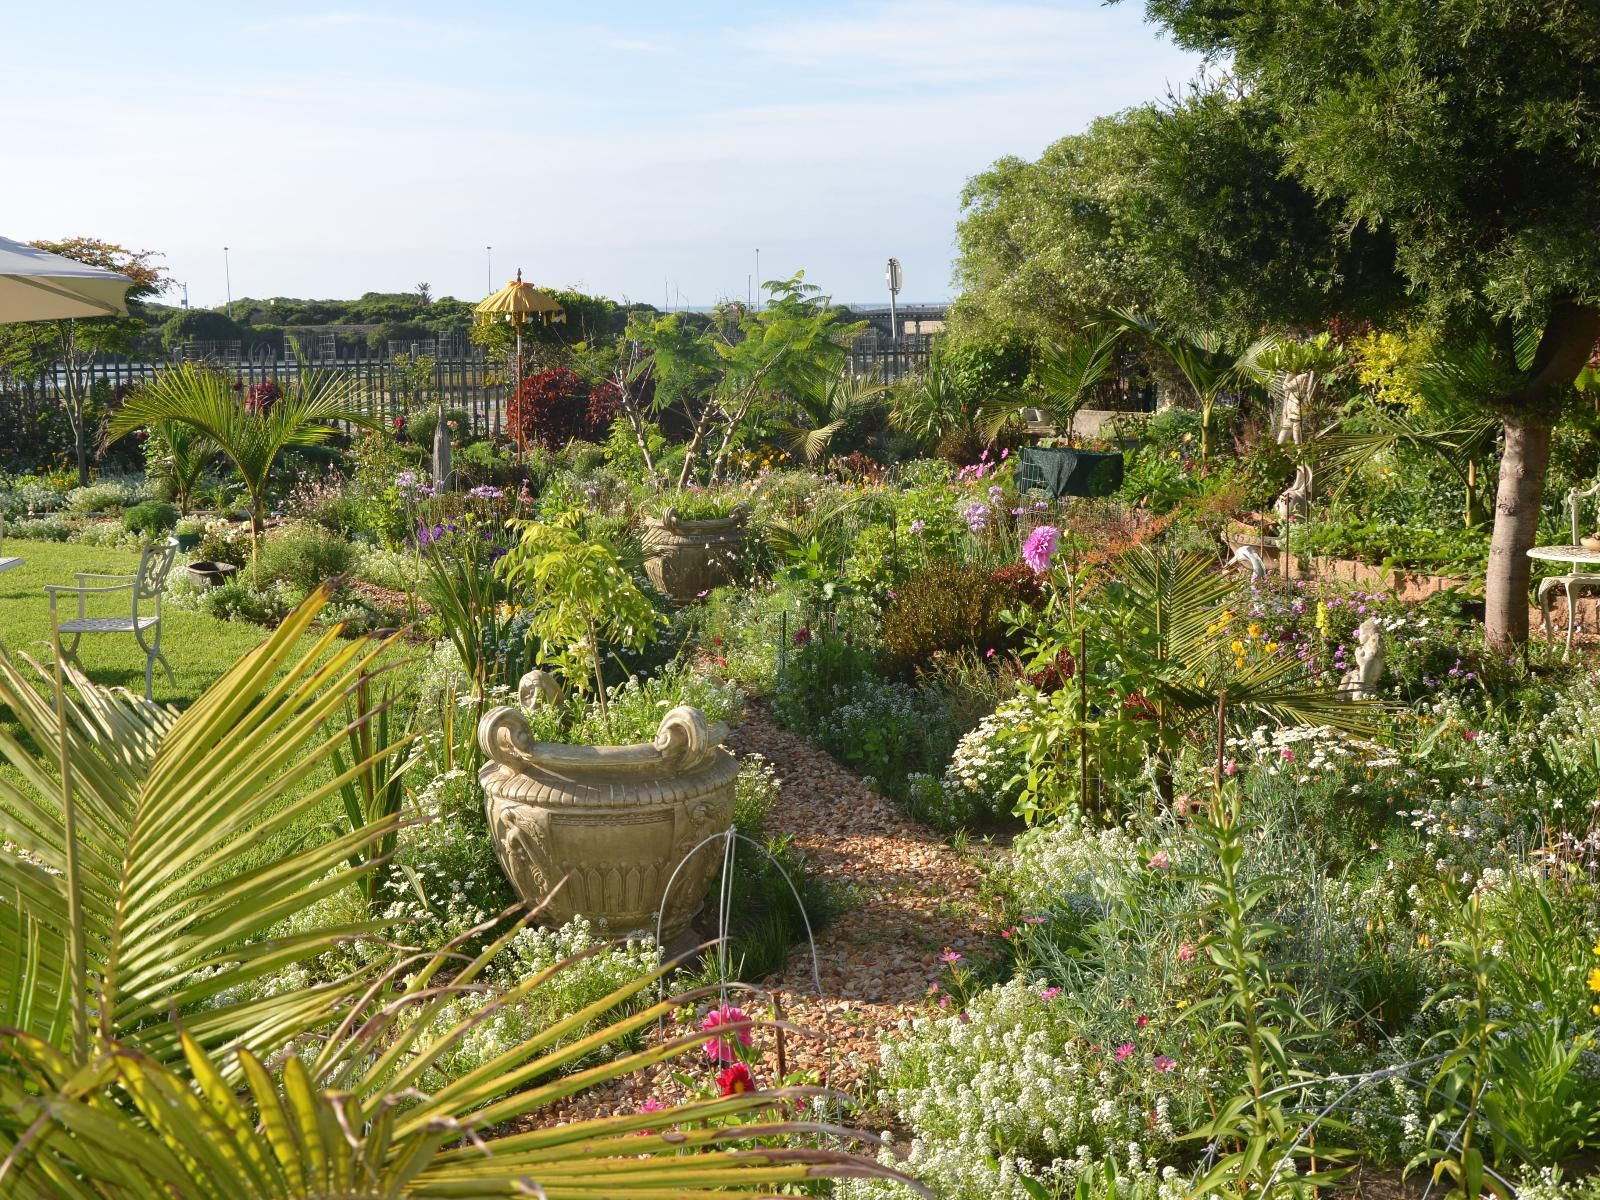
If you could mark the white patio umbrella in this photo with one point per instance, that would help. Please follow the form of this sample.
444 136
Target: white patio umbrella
36 285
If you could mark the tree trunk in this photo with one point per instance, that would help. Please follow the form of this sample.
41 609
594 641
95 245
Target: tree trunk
1516 526
1565 346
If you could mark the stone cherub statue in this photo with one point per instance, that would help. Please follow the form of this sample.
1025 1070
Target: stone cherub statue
1361 682
1298 393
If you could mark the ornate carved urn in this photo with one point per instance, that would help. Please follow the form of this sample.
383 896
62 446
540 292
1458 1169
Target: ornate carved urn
686 558
614 822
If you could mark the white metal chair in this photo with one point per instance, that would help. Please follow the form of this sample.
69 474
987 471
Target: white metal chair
1577 579
6 563
145 584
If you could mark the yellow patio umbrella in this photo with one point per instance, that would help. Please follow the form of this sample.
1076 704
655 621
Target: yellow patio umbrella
520 303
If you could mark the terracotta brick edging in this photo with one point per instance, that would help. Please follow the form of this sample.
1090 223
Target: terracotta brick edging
1403 584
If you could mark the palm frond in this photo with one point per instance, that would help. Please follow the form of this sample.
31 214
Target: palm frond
163 808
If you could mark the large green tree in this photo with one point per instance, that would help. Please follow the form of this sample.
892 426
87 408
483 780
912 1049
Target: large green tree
1182 209
1466 133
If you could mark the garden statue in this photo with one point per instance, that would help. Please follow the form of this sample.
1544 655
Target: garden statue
1298 391
1251 557
1361 682
441 451
1296 498
538 687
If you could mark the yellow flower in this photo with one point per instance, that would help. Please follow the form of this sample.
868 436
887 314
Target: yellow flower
1238 646
1255 631
1183 1004
1596 950
1271 647
1594 980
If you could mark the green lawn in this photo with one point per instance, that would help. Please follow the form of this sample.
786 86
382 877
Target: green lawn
198 646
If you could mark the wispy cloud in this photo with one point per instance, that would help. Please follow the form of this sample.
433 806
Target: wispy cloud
941 42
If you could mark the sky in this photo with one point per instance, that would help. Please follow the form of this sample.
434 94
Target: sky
643 151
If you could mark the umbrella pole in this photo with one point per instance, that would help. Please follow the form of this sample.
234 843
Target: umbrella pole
516 386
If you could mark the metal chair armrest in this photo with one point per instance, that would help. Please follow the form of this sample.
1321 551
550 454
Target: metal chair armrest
80 576
52 588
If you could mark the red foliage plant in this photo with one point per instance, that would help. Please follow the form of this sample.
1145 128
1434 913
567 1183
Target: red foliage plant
557 405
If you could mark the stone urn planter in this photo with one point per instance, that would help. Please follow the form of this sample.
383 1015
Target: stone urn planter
613 822
686 558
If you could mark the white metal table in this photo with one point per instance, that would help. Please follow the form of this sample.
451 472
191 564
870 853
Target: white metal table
1578 556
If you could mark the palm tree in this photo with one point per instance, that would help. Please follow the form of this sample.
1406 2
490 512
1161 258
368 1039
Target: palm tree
1205 363
181 454
1162 627
139 897
1068 374
819 413
1457 429
929 406
251 436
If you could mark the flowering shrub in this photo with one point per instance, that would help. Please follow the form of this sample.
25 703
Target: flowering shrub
983 779
557 405
949 607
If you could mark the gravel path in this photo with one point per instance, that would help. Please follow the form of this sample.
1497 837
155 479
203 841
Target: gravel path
911 896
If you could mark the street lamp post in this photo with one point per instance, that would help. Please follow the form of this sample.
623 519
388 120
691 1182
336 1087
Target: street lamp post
488 258
227 276
892 274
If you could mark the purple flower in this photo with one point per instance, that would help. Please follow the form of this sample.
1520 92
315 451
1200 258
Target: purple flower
1040 548
918 526
486 492
976 516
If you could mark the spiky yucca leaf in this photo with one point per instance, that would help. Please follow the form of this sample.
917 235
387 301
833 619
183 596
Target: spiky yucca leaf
161 811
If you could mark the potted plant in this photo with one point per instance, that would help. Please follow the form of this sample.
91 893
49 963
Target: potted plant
606 828
694 542
723 376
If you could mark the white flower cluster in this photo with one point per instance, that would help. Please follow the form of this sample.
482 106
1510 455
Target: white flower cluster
1012 1082
1065 867
984 775
569 990
1308 753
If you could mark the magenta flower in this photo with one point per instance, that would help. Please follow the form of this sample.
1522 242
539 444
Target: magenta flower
1286 754
1185 951
723 1049
1142 1021
1040 547
949 957
1159 861
1164 1064
1124 1052
1050 993
1230 768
